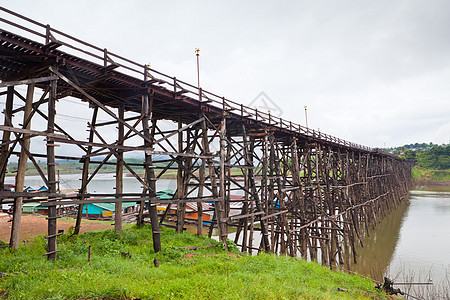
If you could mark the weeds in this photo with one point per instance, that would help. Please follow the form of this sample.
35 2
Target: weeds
419 285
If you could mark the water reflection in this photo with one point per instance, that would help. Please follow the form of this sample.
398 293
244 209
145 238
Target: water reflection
424 243
411 243
374 258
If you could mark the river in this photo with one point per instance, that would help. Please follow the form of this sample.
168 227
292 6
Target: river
410 244
102 183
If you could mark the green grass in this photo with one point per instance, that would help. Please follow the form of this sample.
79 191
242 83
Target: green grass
210 273
420 174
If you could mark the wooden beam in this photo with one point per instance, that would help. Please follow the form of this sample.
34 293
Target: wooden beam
51 170
147 106
27 81
20 176
119 171
152 200
5 151
33 132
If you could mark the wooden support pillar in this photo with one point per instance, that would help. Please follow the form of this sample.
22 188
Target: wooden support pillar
270 197
85 172
147 107
297 197
204 133
51 169
21 169
6 135
187 172
309 195
251 178
215 194
119 171
265 162
245 209
180 186
221 215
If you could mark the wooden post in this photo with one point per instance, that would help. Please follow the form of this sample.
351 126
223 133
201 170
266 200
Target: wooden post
119 172
215 195
221 209
6 135
245 208
180 186
149 171
265 235
52 229
204 133
85 172
270 197
21 169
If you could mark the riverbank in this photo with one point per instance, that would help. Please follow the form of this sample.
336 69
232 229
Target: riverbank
122 267
432 182
430 177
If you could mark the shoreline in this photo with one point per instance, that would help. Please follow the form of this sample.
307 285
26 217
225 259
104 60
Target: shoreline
125 174
432 182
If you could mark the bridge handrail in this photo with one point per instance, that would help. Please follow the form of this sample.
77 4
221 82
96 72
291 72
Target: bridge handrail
171 83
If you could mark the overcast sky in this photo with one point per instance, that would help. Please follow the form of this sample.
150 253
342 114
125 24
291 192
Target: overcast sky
373 72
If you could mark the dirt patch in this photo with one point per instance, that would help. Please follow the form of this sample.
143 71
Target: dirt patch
33 225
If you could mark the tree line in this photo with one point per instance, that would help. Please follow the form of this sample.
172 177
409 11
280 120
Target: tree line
427 156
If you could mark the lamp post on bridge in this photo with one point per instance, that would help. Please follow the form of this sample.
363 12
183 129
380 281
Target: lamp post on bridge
197 53
306 119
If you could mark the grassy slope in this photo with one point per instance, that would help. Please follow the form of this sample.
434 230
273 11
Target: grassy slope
420 174
210 273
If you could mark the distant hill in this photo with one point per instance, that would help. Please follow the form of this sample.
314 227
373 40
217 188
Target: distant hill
428 156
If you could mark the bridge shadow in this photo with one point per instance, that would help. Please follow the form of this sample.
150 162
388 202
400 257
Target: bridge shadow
375 257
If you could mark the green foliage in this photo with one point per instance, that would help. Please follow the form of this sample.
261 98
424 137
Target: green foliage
428 156
204 273
437 158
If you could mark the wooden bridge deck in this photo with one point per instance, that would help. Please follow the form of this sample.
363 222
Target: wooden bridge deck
311 194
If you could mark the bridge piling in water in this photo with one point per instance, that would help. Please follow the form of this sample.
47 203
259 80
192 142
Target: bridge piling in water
307 193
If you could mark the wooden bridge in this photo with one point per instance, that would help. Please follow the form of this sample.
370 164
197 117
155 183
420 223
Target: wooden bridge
297 191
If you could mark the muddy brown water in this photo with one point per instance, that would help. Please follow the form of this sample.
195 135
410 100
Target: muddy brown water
412 244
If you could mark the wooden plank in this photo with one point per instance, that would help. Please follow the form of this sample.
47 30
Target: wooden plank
32 132
153 200
9 195
90 201
237 217
274 214
51 253
27 81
